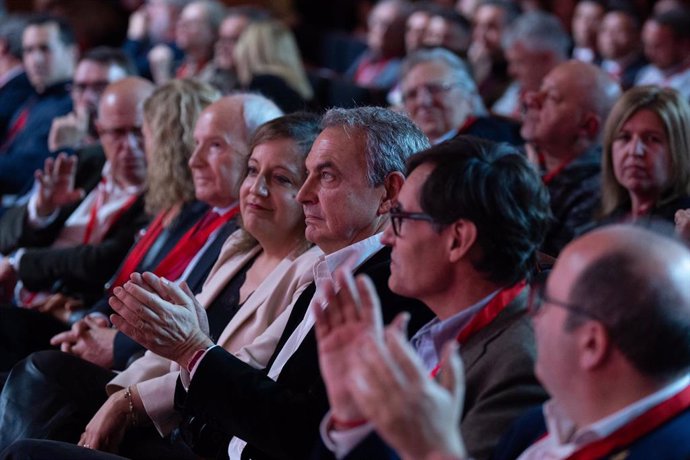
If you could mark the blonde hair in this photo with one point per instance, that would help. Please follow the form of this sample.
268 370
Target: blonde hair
269 47
171 113
674 112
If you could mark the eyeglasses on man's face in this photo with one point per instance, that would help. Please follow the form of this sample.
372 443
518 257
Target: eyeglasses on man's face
434 89
538 297
397 216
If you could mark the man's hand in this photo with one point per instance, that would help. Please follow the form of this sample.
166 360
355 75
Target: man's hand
171 328
90 339
418 416
56 184
138 24
161 63
59 306
350 313
682 219
68 131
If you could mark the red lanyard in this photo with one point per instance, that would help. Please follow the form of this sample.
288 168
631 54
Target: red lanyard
139 250
368 70
636 429
549 176
468 124
93 212
191 242
486 315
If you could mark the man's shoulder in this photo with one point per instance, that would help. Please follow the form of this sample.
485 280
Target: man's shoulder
669 441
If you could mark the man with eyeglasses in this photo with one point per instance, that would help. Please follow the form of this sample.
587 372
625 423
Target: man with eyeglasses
464 237
440 96
75 238
613 351
96 70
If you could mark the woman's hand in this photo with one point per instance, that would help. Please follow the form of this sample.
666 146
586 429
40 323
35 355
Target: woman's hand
107 428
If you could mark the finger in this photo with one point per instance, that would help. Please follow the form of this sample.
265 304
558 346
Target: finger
400 323
404 356
375 357
48 166
371 306
452 376
63 337
126 328
126 306
93 323
150 304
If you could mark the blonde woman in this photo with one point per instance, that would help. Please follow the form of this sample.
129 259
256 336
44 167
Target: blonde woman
268 61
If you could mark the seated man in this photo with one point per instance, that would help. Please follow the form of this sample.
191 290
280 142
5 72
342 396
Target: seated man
49 56
563 123
441 97
619 389
464 248
76 239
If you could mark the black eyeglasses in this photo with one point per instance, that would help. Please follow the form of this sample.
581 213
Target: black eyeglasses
538 297
398 215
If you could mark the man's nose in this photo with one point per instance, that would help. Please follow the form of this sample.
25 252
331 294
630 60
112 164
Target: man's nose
306 192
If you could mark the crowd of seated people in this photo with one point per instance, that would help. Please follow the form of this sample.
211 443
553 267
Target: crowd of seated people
469 239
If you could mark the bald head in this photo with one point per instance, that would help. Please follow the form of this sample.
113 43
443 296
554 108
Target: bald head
120 115
637 283
128 93
598 90
222 135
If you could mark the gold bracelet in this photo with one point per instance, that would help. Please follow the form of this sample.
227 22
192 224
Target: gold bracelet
132 414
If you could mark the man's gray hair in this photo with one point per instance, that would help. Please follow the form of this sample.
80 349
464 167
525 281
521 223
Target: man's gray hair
538 31
11 28
458 68
258 110
391 138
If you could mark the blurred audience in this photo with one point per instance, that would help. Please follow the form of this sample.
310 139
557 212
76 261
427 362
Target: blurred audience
441 98
268 62
485 55
379 65
196 32
585 27
666 40
49 56
534 44
96 69
620 46
15 87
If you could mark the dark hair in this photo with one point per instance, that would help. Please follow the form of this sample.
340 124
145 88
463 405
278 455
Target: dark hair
512 9
627 8
643 312
108 56
493 186
301 127
65 30
678 20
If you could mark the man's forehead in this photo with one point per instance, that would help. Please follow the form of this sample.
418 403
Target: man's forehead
337 146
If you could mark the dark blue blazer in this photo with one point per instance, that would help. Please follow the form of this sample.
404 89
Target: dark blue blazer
671 441
12 95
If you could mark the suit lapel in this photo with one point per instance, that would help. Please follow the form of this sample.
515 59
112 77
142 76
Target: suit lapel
197 276
475 347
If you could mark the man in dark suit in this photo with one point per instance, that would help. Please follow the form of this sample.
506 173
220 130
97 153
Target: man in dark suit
464 237
49 56
612 325
15 87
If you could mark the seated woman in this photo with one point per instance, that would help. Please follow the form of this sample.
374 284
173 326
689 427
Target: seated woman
645 162
170 114
262 270
268 62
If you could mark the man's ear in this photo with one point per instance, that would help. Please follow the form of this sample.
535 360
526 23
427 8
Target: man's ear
462 238
590 125
391 185
594 345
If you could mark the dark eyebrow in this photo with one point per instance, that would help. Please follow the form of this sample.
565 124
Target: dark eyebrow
325 165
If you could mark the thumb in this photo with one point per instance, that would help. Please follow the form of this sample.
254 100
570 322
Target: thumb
400 322
452 376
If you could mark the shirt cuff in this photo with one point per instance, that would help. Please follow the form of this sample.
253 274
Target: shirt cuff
341 442
186 375
16 258
36 221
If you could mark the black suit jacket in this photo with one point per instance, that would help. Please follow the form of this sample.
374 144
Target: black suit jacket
13 94
279 420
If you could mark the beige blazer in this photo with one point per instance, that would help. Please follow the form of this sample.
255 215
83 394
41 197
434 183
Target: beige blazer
251 335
